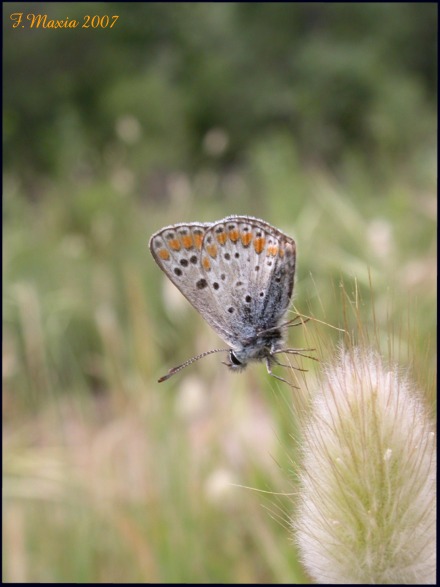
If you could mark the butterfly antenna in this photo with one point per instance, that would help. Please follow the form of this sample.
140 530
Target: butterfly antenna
175 370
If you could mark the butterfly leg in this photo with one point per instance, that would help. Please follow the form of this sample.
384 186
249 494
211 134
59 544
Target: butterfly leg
276 361
269 370
299 352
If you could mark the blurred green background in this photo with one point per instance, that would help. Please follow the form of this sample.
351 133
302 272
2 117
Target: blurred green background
317 117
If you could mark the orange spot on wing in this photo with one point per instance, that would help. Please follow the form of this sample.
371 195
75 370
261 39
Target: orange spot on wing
281 253
246 238
206 263
272 250
259 244
212 250
197 238
187 241
174 244
221 238
163 254
233 235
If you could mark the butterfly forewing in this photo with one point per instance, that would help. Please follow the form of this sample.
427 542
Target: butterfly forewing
177 249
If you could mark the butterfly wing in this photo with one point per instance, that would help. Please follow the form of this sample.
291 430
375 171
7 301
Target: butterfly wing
238 273
177 249
249 266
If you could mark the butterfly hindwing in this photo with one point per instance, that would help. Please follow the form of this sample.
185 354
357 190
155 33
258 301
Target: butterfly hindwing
251 268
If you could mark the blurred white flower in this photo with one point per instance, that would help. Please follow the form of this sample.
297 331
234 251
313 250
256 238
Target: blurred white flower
380 237
128 129
215 142
219 486
191 398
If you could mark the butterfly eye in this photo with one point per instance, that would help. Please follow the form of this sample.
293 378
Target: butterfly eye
234 359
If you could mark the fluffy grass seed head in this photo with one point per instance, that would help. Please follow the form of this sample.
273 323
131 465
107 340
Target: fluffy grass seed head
367 503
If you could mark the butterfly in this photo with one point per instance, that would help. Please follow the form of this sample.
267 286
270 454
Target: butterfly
238 273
